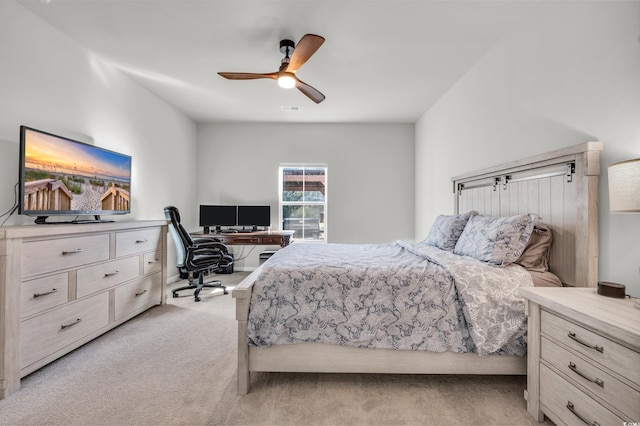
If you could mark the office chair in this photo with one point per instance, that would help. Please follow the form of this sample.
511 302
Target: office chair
197 257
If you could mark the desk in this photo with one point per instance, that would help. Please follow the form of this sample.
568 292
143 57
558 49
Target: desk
264 238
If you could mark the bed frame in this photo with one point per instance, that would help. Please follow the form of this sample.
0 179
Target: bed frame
560 186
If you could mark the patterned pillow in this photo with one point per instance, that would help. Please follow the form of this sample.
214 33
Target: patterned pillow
446 230
495 240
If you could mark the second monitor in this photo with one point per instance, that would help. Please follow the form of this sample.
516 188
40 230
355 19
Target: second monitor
254 216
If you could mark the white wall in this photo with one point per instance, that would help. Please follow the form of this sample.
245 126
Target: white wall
570 77
48 82
370 173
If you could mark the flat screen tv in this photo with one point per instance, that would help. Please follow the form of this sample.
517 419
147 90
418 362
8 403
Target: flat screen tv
217 216
64 177
254 216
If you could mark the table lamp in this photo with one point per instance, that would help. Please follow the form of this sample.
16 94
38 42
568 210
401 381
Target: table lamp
624 191
624 186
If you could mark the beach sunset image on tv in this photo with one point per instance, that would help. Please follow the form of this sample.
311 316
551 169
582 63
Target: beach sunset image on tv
65 175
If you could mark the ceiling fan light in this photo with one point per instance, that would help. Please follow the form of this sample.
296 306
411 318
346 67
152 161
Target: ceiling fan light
286 81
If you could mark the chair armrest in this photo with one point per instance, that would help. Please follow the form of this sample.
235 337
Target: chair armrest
211 245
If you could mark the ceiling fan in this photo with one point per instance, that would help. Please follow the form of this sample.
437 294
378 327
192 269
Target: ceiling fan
294 57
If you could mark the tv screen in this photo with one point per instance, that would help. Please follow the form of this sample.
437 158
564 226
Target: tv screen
62 176
217 215
254 216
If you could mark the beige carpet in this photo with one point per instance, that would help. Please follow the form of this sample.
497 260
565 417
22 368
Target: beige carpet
175 365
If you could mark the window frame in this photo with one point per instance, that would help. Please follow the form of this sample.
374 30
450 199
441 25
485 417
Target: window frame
324 203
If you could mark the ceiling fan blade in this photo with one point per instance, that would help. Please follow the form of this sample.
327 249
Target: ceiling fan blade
306 47
247 75
311 92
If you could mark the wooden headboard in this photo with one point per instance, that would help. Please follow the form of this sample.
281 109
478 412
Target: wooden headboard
562 188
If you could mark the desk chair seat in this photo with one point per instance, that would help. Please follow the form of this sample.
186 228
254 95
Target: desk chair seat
196 258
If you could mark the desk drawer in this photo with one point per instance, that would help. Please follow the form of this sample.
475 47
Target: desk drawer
99 277
609 354
44 293
242 240
136 295
45 334
611 390
271 239
140 241
39 257
557 394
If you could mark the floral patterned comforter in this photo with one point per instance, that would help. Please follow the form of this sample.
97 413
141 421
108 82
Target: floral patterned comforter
403 295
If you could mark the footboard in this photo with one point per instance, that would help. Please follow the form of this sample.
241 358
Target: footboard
321 358
242 294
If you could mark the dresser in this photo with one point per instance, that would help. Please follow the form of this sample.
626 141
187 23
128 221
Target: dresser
63 285
583 362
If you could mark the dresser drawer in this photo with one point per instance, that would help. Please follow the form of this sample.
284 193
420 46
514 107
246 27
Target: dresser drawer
570 405
133 242
44 293
47 333
611 390
152 262
136 295
39 257
595 347
105 275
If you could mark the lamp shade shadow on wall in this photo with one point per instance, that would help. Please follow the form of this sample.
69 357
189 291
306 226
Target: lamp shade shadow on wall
624 186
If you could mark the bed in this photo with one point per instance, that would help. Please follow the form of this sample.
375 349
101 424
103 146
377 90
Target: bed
559 188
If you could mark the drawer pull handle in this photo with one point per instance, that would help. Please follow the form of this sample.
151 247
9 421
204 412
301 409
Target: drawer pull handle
571 408
76 251
110 274
572 335
141 293
71 324
597 381
53 290
151 262
141 241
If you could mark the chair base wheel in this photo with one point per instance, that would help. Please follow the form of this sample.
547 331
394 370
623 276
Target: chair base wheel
199 287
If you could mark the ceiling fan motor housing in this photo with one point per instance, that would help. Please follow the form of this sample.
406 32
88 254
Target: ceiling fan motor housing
286 47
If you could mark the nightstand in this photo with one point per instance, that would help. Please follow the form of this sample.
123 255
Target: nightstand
583 362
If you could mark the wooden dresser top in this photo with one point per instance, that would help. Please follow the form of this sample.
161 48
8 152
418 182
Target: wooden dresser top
617 318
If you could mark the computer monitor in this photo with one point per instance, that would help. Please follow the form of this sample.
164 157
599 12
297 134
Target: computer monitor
254 216
217 215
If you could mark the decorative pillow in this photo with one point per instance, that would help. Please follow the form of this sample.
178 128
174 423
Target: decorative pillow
495 240
545 279
536 255
446 230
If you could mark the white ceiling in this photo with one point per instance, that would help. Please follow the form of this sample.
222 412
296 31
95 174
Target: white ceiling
382 61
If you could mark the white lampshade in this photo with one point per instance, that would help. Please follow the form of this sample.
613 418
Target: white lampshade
624 186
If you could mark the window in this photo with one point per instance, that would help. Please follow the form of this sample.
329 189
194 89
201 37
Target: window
303 201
